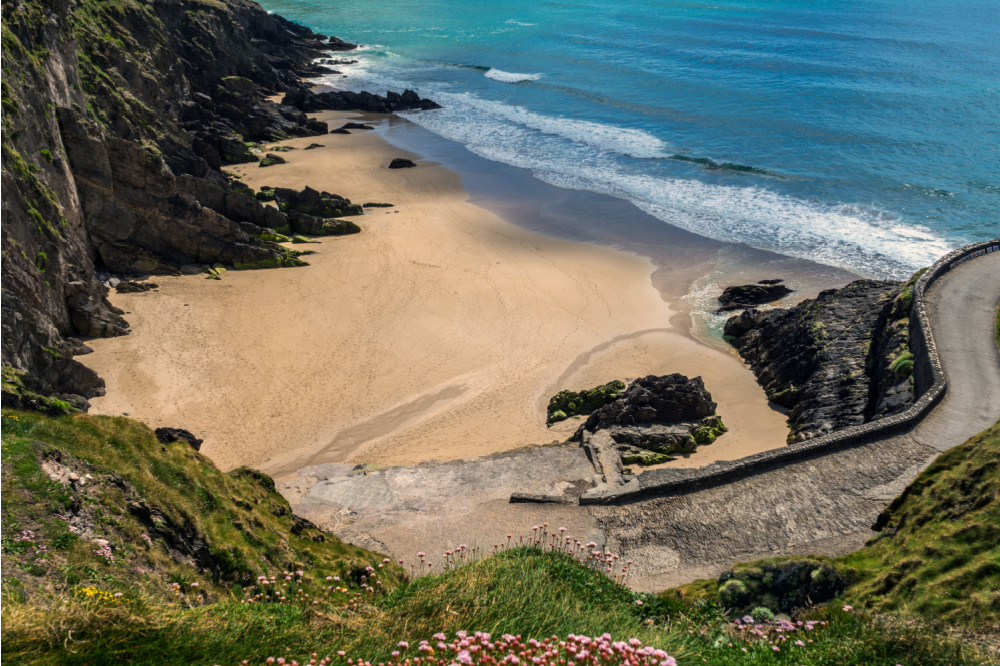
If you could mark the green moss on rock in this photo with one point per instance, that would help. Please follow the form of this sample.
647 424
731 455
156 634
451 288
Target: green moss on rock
709 430
565 404
271 160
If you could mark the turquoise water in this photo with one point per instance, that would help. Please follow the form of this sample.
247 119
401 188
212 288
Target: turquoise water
864 135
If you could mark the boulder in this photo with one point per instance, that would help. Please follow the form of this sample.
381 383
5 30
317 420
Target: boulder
749 295
739 324
167 435
356 126
401 163
667 399
315 203
271 159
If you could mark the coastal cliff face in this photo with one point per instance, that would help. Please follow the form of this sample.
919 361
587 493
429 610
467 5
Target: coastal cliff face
118 116
838 360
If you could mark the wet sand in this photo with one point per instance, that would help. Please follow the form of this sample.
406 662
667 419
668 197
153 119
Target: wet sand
439 332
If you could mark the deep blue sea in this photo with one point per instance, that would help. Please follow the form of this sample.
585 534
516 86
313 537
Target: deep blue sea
860 134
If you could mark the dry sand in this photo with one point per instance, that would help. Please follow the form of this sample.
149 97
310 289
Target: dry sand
439 332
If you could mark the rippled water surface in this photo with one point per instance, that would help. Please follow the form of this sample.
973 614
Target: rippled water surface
864 135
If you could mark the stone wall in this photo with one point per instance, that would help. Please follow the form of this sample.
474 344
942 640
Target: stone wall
929 378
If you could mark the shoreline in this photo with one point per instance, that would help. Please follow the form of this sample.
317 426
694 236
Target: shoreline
598 302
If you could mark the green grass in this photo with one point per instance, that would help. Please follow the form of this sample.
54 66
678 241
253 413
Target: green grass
215 528
524 592
239 515
939 553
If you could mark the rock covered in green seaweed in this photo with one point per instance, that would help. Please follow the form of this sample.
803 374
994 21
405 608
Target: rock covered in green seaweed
565 404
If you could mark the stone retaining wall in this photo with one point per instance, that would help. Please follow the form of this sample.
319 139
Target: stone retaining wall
929 384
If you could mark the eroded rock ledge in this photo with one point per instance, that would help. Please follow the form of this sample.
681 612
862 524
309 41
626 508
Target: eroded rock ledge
838 360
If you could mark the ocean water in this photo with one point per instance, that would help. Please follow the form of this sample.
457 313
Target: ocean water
858 134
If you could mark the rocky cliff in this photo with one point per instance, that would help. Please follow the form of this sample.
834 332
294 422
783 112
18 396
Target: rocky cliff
838 360
118 118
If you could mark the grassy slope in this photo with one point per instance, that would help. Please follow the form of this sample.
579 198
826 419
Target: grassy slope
939 552
523 592
217 529
938 557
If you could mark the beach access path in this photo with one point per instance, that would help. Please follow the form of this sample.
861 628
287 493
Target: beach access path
824 505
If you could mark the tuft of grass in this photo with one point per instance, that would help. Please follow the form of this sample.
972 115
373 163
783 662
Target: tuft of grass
902 365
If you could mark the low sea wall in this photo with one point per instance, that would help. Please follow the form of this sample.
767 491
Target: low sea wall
930 385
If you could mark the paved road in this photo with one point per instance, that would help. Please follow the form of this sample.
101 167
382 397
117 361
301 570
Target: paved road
824 505
962 305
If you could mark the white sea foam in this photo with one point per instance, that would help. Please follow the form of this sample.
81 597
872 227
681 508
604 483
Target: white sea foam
611 138
521 23
510 77
592 156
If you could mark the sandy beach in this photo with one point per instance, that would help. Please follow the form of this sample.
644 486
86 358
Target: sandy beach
439 332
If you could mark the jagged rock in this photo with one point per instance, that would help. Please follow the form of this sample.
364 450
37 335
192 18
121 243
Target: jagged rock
337 44
828 360
312 202
658 437
739 324
167 435
401 163
313 146
749 295
667 399
315 226
566 404
345 100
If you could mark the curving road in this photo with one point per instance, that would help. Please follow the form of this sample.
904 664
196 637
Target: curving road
962 306
823 505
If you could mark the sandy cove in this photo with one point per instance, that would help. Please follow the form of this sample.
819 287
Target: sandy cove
439 332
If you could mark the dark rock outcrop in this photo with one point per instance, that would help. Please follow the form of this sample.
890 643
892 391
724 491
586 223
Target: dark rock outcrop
167 435
402 163
271 159
668 414
667 399
345 100
835 361
749 295
739 324
312 202
356 126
